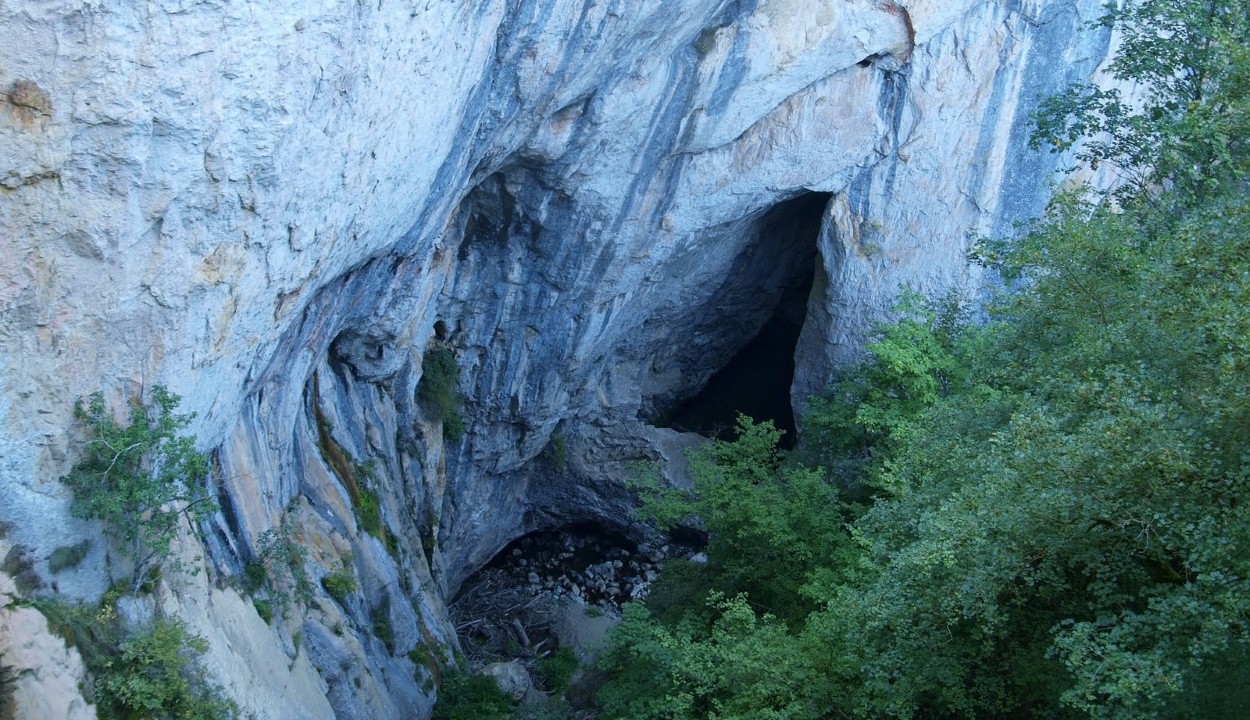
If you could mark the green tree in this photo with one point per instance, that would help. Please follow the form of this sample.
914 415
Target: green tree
141 479
1191 58
913 362
742 666
770 527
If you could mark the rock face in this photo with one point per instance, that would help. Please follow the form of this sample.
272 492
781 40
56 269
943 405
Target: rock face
39 676
274 210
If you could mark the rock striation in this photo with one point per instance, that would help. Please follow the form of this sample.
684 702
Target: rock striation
275 210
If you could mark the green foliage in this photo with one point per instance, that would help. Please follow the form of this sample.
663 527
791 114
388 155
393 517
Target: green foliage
339 585
149 672
557 669
156 675
369 510
1058 521
550 708
140 479
1193 59
742 667
382 630
264 608
470 697
681 591
914 362
706 41
280 568
770 526
68 557
437 389
559 453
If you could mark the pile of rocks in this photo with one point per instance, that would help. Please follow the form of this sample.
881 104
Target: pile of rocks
511 608
597 570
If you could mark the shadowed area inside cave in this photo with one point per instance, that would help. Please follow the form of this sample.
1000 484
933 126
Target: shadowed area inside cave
756 380
511 607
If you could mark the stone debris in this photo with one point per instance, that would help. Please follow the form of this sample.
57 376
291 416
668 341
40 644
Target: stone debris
509 608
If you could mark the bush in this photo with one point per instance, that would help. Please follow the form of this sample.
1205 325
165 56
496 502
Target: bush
279 567
471 697
151 672
264 608
437 389
67 557
156 675
19 565
139 479
369 511
557 669
339 585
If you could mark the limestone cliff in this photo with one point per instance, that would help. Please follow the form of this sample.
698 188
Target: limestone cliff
274 208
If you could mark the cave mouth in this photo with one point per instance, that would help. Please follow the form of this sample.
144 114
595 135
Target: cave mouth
756 380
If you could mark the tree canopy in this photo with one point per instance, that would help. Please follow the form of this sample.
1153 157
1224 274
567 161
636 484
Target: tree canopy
1042 515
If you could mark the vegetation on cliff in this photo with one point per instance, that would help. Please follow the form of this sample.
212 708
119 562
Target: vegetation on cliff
1045 514
142 480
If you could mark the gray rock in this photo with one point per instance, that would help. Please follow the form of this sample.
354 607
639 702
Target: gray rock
511 677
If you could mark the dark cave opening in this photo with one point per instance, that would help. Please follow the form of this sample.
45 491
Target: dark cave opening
756 380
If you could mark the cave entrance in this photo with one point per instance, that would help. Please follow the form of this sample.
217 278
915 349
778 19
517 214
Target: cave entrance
756 380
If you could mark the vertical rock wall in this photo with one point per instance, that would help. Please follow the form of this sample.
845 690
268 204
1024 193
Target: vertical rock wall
271 209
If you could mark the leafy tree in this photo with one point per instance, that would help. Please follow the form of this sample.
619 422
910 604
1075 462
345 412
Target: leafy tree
140 479
741 667
914 362
769 527
1191 60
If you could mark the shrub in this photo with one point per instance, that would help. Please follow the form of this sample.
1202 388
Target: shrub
19 565
382 629
149 673
369 512
471 697
139 479
557 669
437 389
339 585
279 567
156 675
264 608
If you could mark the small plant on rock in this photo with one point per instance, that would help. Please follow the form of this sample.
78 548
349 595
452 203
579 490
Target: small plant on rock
68 557
437 389
279 567
339 585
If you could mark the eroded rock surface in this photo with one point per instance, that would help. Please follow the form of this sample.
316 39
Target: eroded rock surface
274 210
40 676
